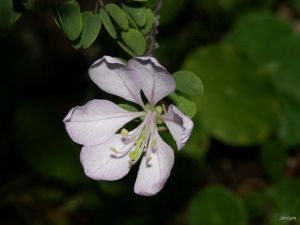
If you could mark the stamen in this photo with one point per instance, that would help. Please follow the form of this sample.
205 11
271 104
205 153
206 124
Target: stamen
114 150
154 144
124 133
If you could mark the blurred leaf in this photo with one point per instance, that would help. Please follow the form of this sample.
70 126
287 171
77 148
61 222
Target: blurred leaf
91 25
69 18
296 5
150 21
273 44
289 127
238 105
135 41
118 15
255 202
285 201
29 4
108 23
188 83
188 107
169 11
273 158
216 206
45 144
137 12
6 16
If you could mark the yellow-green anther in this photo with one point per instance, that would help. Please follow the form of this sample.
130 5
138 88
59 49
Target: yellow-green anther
124 133
154 144
114 150
134 155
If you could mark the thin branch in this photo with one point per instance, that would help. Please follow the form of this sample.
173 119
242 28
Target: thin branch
151 37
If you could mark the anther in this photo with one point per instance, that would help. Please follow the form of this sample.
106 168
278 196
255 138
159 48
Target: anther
154 144
124 133
114 150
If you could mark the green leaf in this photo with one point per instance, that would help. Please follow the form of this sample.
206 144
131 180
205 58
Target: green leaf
150 21
29 4
108 23
137 12
188 83
273 157
126 49
135 41
91 25
118 15
238 106
69 18
128 107
285 201
272 43
45 145
289 123
216 206
6 16
188 107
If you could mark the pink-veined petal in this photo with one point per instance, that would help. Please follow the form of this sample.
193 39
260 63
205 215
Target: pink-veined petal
114 77
96 121
101 163
155 80
179 125
153 174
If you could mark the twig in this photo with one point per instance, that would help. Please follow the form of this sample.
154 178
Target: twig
151 37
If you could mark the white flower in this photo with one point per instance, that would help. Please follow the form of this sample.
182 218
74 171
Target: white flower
107 155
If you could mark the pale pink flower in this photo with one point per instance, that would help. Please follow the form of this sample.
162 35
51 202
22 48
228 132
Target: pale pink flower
107 155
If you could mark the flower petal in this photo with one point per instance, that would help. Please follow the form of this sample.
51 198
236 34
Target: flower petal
179 125
114 77
155 80
153 174
96 121
100 163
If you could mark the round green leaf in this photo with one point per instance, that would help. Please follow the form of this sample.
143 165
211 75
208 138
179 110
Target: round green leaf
289 124
150 21
188 83
272 43
118 15
69 18
135 41
216 206
188 107
238 106
285 201
6 15
108 23
91 25
137 12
